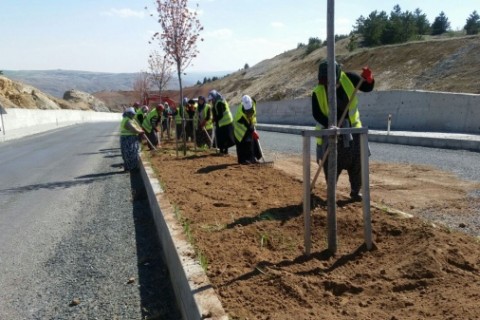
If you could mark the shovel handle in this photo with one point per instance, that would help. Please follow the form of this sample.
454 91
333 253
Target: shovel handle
344 114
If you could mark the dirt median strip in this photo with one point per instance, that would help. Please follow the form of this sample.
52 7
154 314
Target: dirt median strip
246 223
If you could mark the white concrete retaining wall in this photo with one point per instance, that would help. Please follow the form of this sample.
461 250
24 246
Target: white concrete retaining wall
16 123
410 110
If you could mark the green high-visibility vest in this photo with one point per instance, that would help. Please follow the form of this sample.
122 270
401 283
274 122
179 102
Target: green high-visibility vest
137 114
147 121
179 115
239 128
353 113
123 130
227 117
197 117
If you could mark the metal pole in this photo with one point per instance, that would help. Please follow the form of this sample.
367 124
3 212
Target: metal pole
367 221
332 120
389 122
306 194
1 115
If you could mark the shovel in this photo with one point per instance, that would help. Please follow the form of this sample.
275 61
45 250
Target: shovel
269 163
148 140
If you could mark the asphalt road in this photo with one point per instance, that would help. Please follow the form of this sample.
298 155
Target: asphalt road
71 232
465 164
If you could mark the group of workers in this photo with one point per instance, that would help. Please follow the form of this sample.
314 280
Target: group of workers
201 116
211 123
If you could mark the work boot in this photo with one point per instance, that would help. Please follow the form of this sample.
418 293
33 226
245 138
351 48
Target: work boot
356 196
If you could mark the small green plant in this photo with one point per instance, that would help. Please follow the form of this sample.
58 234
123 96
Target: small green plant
187 230
176 212
264 240
202 258
214 227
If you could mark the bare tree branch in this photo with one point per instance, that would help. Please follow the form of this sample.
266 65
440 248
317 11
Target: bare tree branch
141 85
160 70
178 37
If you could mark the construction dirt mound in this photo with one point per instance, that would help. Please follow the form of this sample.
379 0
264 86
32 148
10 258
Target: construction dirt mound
247 222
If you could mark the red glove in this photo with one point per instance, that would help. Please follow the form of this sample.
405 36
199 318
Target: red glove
367 74
255 135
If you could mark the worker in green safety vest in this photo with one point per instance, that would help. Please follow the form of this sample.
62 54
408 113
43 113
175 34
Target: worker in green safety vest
151 125
246 137
223 120
190 109
180 115
140 114
203 123
129 142
348 149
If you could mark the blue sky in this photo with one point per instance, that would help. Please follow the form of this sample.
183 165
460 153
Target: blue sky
113 35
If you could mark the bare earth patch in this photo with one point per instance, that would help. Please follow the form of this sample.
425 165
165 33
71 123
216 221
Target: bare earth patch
248 222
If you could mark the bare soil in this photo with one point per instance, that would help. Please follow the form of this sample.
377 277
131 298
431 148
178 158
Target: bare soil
248 222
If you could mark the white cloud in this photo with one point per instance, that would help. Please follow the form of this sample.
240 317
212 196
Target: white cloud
124 13
220 34
277 24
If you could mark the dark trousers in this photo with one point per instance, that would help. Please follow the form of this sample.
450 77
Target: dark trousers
245 150
153 138
179 131
348 158
248 150
202 138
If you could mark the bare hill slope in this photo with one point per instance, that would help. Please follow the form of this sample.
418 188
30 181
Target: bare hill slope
442 64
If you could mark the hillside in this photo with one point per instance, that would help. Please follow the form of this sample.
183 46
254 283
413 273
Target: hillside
441 63
436 64
14 94
450 65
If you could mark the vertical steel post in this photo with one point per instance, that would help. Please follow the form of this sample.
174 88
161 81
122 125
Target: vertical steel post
1 115
306 194
367 221
389 122
332 120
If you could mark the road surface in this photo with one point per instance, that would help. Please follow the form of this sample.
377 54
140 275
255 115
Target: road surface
74 245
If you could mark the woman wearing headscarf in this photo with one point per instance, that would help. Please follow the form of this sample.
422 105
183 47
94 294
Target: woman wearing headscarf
129 142
204 123
244 130
223 120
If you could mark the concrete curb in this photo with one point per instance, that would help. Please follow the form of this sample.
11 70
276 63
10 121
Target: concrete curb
194 293
425 139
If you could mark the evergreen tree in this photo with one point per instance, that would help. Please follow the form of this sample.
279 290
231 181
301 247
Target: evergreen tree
440 25
421 21
372 27
313 44
473 24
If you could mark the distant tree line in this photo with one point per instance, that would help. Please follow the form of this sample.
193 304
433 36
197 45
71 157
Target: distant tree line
378 28
316 43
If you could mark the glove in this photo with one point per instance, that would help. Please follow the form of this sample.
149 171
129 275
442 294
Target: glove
255 135
202 123
367 75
